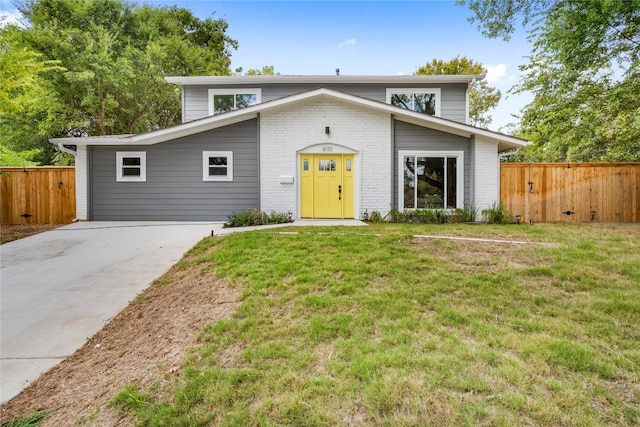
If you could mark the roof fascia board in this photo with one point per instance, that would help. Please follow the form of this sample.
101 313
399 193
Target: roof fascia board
280 79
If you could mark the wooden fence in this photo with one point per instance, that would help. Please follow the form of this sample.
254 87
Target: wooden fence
571 192
38 195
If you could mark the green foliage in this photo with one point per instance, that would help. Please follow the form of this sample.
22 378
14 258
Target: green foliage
267 70
433 216
497 214
32 420
376 217
96 67
584 72
482 97
11 158
252 217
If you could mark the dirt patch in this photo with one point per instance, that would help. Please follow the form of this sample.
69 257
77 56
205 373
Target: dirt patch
144 343
477 255
11 232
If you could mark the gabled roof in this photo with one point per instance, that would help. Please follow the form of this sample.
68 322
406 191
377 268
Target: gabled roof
321 80
505 142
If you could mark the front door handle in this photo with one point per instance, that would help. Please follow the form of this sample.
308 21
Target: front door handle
339 192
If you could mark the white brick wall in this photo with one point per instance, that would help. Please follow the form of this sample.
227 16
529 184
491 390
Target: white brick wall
486 166
81 182
285 132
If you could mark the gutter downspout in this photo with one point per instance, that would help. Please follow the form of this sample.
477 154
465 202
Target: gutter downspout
469 86
64 149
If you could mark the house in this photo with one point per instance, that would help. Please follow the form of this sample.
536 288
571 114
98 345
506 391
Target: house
316 146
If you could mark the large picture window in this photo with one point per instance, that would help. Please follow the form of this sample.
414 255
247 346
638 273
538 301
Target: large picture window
223 100
425 101
131 166
217 166
431 180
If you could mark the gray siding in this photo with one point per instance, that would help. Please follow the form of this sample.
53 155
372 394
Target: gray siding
452 105
411 137
174 189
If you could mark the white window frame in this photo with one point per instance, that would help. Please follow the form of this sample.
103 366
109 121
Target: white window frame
205 165
120 177
458 154
249 91
409 91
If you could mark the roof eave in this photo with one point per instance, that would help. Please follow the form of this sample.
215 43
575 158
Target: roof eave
331 79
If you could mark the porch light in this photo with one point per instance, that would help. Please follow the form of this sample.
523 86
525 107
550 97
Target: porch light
326 130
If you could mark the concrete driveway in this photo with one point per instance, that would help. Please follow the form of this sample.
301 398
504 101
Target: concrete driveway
60 287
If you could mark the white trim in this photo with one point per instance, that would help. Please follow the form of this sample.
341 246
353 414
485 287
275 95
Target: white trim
327 149
143 166
410 91
459 154
326 79
205 165
238 91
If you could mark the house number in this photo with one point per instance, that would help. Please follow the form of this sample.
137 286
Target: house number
327 148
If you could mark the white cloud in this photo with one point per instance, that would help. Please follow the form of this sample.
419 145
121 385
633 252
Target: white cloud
9 16
496 73
350 42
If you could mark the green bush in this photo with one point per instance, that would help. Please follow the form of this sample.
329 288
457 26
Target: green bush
497 214
256 217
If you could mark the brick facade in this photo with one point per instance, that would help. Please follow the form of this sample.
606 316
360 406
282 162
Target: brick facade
287 131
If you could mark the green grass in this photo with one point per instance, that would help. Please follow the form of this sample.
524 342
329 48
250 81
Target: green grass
31 420
370 326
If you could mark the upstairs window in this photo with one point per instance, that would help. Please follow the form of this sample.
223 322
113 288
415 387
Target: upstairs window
131 166
217 166
223 100
425 101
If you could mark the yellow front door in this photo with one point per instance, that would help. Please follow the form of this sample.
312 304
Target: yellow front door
326 186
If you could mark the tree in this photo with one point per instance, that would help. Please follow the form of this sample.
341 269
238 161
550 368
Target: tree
482 97
115 56
584 72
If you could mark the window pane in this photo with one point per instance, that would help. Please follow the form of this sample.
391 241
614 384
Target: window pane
402 100
348 165
306 165
222 103
451 182
425 103
245 99
409 183
130 171
131 161
217 161
333 165
217 171
430 177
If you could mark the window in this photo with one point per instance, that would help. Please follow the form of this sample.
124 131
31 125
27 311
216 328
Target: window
431 180
420 100
131 166
223 100
217 166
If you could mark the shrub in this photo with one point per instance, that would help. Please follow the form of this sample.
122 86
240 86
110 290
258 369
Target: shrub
256 217
468 214
497 214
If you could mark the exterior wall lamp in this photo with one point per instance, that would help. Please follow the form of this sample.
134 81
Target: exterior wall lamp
326 130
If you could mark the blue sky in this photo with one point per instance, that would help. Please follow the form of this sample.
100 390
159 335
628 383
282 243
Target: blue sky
362 38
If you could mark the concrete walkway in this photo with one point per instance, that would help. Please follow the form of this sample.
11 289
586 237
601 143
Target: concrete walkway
60 287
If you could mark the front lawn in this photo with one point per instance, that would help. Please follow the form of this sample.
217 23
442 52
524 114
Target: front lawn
372 326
